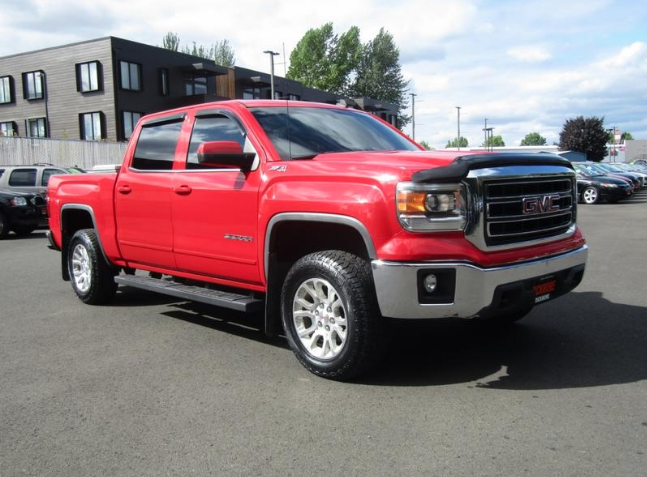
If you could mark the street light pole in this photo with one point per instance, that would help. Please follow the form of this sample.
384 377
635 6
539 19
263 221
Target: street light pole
272 55
413 115
458 110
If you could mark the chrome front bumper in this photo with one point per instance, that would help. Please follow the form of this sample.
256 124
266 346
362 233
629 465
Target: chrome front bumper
397 284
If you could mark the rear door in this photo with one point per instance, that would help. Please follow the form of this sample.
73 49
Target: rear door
215 210
143 195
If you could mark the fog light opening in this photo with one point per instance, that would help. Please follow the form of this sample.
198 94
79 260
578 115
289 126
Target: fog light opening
430 283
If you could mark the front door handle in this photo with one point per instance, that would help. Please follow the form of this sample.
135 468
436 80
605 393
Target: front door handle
124 189
182 190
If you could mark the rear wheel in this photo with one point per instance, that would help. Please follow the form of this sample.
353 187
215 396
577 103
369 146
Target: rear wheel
91 276
590 195
330 314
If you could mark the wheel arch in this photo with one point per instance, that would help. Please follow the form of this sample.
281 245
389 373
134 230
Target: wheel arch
75 217
318 232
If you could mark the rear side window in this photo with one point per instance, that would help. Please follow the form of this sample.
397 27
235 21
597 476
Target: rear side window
47 173
1 172
156 146
215 128
23 178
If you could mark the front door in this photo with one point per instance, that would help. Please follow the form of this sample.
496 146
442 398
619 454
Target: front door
215 210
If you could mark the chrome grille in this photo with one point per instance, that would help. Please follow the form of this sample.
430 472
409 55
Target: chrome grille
526 210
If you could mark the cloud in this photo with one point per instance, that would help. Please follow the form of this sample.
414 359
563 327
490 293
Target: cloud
529 54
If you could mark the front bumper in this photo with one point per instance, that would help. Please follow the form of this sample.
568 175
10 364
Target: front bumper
477 292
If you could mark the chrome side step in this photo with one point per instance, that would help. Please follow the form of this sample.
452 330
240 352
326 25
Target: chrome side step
230 300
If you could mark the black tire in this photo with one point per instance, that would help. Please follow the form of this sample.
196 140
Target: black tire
351 281
4 226
91 263
22 230
590 195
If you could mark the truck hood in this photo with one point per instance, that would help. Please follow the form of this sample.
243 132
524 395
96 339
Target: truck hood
376 163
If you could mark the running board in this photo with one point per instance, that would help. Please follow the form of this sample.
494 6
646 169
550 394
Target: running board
230 300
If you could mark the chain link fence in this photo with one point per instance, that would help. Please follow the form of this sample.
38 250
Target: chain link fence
22 151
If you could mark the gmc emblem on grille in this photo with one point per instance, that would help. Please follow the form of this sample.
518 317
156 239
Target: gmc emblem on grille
540 205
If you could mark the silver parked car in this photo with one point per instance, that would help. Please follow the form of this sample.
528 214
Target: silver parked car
32 179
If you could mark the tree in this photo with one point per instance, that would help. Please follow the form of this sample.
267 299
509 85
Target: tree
221 52
425 145
625 136
455 143
379 74
585 135
171 41
494 141
324 60
533 139
341 64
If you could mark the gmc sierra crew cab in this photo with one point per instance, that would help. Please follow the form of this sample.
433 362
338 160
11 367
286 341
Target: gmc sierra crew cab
325 219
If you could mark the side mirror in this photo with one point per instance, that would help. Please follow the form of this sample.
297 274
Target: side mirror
225 154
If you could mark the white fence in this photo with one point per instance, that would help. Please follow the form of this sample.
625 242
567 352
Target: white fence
19 151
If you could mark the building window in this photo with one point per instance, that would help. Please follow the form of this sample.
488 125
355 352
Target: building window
131 74
195 84
156 146
33 84
8 129
164 78
88 77
277 94
6 90
130 121
294 97
92 126
37 127
252 93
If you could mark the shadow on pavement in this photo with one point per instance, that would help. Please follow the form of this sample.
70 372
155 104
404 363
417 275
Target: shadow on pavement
579 340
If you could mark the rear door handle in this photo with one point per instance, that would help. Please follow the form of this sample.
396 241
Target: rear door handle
182 190
124 189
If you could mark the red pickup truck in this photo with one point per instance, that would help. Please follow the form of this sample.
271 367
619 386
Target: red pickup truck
325 219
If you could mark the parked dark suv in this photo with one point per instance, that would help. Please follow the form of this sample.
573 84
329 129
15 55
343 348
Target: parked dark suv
21 212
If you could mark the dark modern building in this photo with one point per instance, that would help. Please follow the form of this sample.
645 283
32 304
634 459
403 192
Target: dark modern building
98 89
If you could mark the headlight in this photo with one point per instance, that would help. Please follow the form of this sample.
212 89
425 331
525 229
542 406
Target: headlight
19 201
431 207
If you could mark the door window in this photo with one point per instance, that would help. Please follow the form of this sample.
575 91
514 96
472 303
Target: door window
23 178
156 146
214 128
47 173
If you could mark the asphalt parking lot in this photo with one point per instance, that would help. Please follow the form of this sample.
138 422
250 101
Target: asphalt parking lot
152 386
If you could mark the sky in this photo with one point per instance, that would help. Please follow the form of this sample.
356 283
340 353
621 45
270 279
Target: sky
526 65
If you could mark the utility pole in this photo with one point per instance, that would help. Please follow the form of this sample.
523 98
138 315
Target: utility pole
485 134
272 55
458 110
413 115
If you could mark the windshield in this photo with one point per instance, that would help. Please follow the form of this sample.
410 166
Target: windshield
307 132
589 171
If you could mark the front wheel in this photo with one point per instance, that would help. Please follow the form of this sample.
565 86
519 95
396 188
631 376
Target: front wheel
330 314
590 195
91 276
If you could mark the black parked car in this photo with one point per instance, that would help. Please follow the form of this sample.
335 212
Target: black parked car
593 187
21 212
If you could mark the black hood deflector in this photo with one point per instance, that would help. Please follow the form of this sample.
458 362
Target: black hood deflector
461 166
